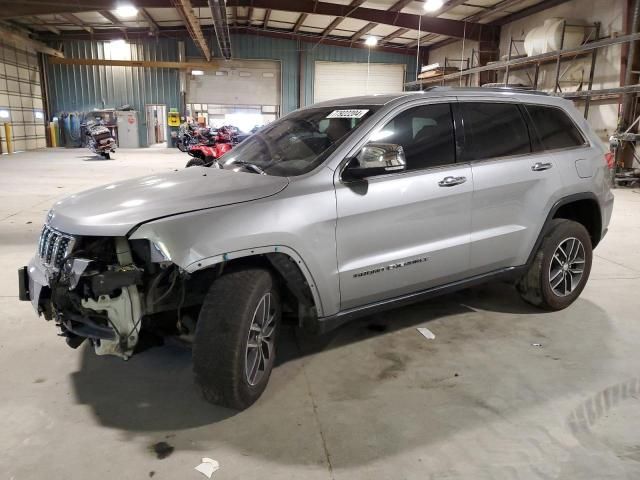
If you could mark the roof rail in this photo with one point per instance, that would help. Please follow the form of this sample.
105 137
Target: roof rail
489 88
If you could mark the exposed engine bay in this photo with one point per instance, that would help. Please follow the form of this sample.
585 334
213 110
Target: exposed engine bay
109 290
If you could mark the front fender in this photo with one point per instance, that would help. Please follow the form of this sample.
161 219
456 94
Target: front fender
301 225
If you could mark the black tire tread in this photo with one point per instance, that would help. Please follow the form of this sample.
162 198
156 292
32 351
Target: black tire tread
530 286
218 350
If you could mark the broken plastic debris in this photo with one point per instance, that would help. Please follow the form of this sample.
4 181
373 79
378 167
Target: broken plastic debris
428 334
208 467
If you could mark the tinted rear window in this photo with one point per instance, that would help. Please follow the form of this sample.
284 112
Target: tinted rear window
554 127
493 130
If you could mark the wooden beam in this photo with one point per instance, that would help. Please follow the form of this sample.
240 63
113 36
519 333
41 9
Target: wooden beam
249 15
20 39
71 18
300 21
267 16
137 63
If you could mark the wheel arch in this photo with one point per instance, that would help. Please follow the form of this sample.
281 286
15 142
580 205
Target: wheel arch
583 208
283 261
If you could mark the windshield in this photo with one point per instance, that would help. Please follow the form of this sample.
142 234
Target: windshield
297 143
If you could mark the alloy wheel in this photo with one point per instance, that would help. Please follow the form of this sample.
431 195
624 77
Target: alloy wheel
260 341
567 267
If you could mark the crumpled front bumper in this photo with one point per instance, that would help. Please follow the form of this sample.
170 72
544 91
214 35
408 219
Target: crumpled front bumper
32 279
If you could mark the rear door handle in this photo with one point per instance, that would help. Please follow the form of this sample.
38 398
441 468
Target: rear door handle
451 181
539 166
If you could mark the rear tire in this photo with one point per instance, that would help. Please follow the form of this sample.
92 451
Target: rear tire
561 267
107 156
195 162
233 352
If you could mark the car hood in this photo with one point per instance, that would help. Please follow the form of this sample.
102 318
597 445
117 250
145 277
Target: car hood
113 210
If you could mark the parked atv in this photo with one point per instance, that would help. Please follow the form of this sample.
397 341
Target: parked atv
215 146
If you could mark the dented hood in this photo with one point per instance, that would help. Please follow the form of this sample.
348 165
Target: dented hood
113 210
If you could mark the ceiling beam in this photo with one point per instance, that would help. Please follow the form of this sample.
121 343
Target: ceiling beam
136 63
185 10
153 26
37 21
450 5
17 38
363 31
267 16
392 35
533 9
112 18
249 15
181 32
71 18
338 20
300 21
396 7
440 26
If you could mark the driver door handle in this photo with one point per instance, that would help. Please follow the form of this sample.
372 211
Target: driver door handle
452 181
539 166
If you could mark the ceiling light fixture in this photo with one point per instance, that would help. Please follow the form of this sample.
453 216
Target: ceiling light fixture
127 11
371 41
433 5
197 72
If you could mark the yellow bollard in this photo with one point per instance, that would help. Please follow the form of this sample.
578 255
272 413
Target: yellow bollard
9 137
53 133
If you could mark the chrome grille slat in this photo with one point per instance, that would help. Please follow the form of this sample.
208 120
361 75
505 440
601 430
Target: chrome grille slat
54 247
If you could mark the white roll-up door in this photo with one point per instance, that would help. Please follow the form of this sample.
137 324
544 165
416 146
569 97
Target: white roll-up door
346 79
237 82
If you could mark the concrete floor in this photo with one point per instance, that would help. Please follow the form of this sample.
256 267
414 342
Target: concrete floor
375 400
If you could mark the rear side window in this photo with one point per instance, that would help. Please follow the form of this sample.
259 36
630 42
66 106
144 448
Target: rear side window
554 127
493 130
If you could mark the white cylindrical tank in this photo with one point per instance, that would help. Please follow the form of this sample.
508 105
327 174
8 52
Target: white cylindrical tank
548 37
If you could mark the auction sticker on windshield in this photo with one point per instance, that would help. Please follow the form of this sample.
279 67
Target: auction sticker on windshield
352 113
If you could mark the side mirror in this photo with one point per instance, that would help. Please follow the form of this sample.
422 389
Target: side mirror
376 159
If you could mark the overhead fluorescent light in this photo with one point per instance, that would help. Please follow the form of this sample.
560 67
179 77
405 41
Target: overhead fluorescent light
371 41
127 11
433 5
4 113
197 72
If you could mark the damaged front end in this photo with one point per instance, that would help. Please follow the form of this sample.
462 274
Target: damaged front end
101 288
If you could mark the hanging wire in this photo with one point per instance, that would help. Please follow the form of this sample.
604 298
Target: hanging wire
464 36
418 49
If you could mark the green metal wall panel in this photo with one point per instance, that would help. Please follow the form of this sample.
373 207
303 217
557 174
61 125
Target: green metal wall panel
80 88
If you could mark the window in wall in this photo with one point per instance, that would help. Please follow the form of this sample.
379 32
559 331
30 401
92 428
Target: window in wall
493 130
554 127
425 133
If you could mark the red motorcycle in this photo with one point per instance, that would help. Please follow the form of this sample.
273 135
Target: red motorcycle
213 145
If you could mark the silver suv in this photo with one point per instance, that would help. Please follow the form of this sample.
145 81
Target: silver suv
334 211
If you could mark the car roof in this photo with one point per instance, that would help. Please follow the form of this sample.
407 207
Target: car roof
383 99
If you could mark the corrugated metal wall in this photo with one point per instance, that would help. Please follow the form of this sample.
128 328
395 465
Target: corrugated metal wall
81 88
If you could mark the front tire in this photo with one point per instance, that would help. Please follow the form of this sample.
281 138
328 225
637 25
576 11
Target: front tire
195 162
234 346
561 267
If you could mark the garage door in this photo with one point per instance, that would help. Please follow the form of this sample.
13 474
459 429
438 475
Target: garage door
237 83
21 98
343 79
